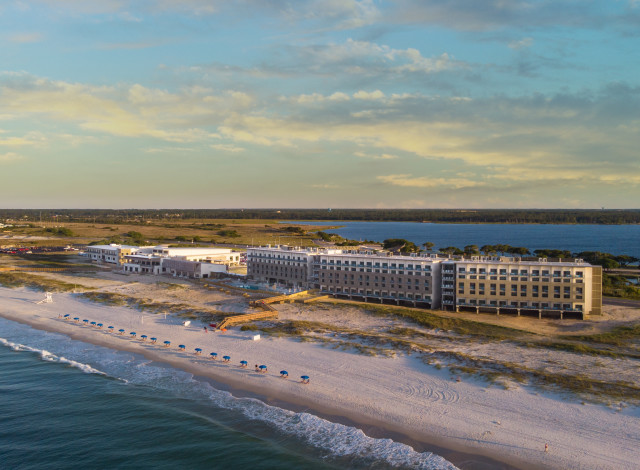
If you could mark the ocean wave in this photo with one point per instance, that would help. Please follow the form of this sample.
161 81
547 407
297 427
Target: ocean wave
50 357
335 439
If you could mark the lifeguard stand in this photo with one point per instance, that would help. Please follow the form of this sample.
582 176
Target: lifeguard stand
48 299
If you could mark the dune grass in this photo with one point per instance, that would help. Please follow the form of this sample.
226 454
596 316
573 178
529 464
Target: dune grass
460 326
32 281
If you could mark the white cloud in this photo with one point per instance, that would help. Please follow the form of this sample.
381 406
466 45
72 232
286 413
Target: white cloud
429 182
365 95
521 44
227 148
383 156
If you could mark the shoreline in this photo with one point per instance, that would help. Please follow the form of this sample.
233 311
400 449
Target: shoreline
371 427
470 423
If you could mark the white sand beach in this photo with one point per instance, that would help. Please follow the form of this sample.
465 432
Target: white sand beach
400 394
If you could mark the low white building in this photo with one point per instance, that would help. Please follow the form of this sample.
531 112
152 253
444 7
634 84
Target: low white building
112 254
211 255
142 264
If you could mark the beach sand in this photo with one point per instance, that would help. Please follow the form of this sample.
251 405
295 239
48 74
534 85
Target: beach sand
400 397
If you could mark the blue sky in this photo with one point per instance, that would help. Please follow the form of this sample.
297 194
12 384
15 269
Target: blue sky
320 103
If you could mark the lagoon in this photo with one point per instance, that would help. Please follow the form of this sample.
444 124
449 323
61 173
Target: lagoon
615 239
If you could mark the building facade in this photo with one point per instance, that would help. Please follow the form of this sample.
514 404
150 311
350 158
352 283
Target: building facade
111 254
400 280
285 265
571 288
499 285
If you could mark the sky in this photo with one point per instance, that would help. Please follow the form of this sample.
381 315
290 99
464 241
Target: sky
320 104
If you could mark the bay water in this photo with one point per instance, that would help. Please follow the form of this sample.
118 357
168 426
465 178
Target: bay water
615 239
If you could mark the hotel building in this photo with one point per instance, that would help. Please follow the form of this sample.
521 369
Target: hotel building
498 285
571 288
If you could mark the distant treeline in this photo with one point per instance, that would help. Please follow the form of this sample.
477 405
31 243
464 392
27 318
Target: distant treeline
484 216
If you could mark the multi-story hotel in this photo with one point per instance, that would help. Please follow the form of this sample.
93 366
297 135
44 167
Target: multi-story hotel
571 288
480 284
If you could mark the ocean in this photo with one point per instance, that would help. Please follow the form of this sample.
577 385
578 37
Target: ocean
66 404
615 239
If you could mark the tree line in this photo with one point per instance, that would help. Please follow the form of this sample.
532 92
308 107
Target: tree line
496 216
606 260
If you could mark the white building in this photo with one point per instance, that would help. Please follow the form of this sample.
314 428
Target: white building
113 254
210 255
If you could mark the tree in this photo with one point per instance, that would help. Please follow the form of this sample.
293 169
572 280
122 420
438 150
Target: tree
626 260
488 249
471 250
518 250
428 246
546 253
502 249
451 250
400 244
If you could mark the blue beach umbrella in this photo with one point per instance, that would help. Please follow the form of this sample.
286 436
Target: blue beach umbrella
243 363
133 334
226 358
76 319
262 368
181 346
305 379
167 343
153 340
143 337
93 323
99 325
213 355
121 331
67 315
198 351
284 373
85 321
110 328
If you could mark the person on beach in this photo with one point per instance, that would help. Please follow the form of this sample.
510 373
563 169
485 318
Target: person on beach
546 447
257 368
205 329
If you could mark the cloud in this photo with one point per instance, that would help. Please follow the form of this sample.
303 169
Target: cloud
471 15
365 95
356 58
132 111
384 156
406 180
521 44
227 148
25 38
